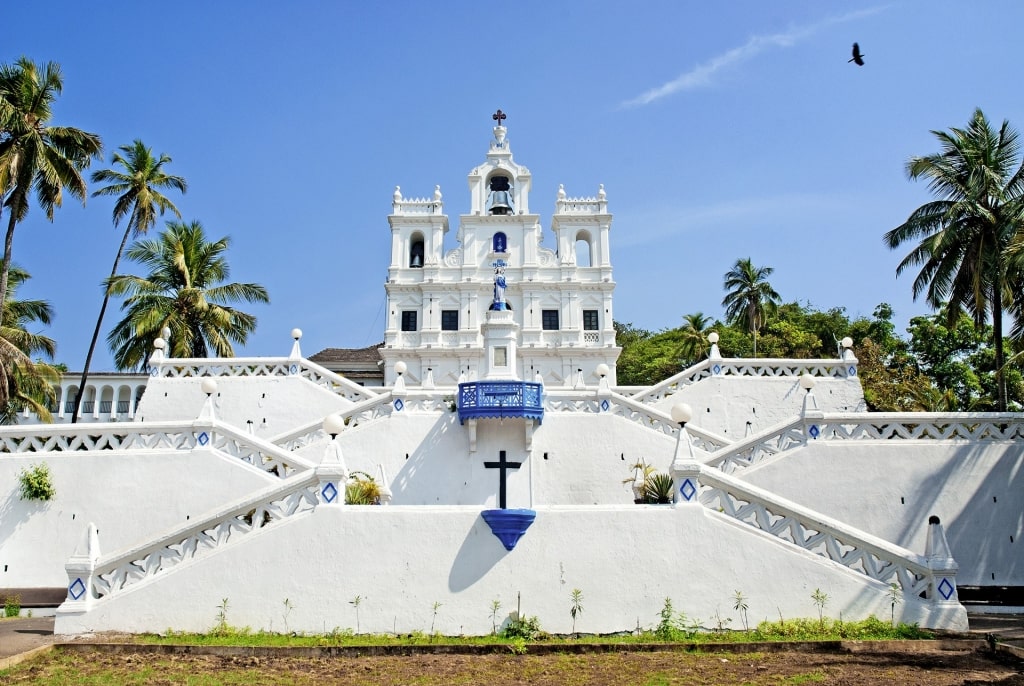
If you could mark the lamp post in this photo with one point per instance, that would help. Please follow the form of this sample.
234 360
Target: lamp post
685 467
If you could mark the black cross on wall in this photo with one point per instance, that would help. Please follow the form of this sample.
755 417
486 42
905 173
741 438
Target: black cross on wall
504 465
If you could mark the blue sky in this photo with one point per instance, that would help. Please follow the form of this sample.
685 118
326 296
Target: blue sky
720 131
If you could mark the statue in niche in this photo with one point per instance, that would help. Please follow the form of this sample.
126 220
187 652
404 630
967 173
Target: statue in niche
499 287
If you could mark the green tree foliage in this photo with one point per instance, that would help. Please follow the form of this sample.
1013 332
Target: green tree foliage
27 383
137 185
936 368
749 298
185 292
35 156
962 239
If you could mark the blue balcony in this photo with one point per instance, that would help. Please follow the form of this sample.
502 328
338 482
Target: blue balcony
499 399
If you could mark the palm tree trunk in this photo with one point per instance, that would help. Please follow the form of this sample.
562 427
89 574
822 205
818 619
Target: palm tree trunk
6 269
997 334
96 331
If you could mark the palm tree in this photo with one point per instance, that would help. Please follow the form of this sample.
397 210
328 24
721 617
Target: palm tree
33 155
24 383
138 195
963 237
749 298
695 336
183 291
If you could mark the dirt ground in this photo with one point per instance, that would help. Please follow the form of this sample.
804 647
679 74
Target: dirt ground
930 668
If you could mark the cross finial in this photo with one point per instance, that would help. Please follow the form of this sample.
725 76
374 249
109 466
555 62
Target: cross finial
499 117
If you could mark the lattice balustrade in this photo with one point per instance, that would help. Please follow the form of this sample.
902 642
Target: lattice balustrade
855 550
938 426
293 498
630 410
759 447
164 436
263 366
361 413
745 367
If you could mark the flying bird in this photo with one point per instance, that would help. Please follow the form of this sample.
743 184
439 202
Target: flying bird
857 58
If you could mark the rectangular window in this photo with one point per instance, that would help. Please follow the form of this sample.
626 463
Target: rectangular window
549 320
409 320
449 320
590 320
501 357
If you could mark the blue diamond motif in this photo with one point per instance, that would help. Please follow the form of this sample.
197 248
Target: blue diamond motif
399 404
77 589
717 369
294 369
852 371
604 405
154 371
687 490
946 589
814 431
329 492
203 438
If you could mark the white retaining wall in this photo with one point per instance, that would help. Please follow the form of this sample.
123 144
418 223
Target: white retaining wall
725 404
274 404
129 496
889 488
403 560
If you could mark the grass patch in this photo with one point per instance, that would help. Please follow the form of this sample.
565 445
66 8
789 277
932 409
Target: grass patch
788 630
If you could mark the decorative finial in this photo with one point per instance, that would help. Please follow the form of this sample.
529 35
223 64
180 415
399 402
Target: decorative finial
499 117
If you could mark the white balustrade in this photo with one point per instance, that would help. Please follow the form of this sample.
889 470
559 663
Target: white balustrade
746 367
811 531
168 436
262 366
292 497
867 426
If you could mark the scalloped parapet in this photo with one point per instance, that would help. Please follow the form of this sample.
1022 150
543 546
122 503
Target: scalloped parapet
595 205
416 206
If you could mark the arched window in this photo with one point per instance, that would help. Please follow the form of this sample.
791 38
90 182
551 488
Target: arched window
416 251
499 243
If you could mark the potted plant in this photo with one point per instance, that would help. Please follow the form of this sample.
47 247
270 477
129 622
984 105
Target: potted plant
362 489
650 487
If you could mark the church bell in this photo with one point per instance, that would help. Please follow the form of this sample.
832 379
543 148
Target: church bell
501 195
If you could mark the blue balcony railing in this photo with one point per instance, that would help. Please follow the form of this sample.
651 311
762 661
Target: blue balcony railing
497 399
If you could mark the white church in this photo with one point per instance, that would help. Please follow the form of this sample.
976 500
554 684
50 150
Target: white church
505 453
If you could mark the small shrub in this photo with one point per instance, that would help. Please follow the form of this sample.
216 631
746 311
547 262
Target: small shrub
527 628
12 606
37 483
362 489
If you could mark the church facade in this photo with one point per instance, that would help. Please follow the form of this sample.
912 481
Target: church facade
551 309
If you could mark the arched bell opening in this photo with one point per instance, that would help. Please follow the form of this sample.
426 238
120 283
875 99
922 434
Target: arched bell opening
416 251
584 250
499 201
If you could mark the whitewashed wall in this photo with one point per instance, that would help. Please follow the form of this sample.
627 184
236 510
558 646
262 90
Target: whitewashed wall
890 488
130 497
402 560
275 404
725 404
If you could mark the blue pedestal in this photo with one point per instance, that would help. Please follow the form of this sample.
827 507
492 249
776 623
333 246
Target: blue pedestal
509 525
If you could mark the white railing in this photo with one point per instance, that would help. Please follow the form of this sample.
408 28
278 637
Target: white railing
292 497
262 366
811 531
630 410
939 426
867 426
169 436
759 447
746 367
369 410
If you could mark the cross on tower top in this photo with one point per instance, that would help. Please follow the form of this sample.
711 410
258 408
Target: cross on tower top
499 117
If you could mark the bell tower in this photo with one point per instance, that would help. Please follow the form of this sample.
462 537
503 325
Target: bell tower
499 305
